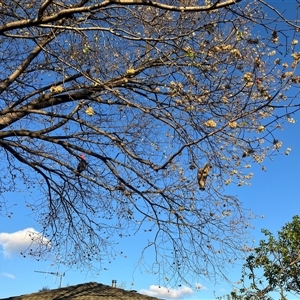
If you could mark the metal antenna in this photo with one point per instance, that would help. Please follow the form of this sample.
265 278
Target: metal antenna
55 274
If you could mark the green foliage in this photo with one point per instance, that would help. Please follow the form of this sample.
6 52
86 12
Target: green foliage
274 265
232 296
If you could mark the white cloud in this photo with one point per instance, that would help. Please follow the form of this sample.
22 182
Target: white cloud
167 293
19 241
8 275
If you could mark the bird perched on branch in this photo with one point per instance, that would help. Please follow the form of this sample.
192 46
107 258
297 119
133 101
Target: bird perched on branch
202 175
82 164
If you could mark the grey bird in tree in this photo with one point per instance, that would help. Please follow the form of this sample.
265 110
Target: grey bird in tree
82 164
202 175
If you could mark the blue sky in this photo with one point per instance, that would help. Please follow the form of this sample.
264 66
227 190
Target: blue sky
273 196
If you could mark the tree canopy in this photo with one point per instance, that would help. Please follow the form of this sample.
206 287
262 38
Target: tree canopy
273 266
150 92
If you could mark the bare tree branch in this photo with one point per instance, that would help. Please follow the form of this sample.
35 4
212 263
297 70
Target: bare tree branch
149 92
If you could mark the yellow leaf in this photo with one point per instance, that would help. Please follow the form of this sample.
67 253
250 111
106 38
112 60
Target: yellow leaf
232 125
261 128
130 72
56 89
210 123
89 111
